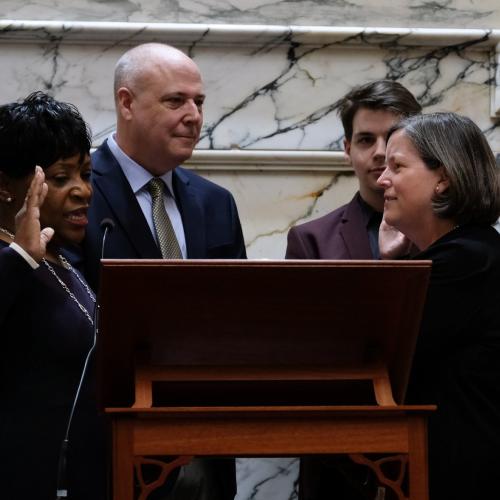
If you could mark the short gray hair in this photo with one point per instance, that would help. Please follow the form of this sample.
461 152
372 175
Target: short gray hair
457 144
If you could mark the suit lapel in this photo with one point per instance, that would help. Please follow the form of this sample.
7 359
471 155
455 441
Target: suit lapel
110 180
354 233
193 219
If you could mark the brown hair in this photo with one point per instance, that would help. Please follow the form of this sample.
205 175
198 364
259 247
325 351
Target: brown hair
380 95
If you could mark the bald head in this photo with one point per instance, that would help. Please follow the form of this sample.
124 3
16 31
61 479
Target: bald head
133 66
159 106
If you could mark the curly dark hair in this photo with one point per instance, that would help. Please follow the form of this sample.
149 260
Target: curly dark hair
40 130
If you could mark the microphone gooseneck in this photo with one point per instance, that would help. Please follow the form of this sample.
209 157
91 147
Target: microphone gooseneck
106 225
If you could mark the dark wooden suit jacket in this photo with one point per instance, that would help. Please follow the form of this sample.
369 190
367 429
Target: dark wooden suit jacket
209 216
341 234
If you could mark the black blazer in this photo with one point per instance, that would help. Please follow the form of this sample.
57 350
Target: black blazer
457 363
209 216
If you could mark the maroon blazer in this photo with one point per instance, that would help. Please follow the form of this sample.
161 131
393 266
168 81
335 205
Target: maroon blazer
341 234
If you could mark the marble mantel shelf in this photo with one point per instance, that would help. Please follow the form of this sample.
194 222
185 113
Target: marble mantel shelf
202 34
270 161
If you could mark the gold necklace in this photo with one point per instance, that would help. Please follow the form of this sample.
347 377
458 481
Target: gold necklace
8 233
68 266
68 291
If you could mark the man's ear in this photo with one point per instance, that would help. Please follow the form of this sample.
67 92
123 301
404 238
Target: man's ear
347 150
124 98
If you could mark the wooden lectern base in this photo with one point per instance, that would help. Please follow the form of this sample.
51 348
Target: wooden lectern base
261 358
269 431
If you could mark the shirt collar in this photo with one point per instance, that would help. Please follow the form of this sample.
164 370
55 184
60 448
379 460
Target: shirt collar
137 176
370 215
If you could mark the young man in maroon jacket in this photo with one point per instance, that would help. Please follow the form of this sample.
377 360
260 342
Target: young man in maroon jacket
351 231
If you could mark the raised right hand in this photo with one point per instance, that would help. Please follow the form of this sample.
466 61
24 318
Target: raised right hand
29 235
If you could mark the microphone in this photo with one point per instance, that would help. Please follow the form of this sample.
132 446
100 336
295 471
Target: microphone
106 225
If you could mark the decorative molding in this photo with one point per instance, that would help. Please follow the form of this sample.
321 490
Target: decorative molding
252 160
215 34
268 161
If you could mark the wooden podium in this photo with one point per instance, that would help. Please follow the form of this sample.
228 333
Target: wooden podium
261 358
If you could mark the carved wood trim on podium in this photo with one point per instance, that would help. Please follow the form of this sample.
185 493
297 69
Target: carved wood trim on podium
396 484
147 375
165 469
246 358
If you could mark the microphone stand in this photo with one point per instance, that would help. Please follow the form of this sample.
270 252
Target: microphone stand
62 480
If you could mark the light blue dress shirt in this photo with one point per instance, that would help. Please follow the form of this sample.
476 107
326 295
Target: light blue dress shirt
138 178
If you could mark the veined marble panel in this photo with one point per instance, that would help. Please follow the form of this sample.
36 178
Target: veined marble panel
439 13
268 87
271 202
275 190
267 478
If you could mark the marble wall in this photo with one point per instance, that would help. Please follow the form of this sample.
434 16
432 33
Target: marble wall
401 13
274 71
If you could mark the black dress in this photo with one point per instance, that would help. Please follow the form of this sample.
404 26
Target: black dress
457 363
45 338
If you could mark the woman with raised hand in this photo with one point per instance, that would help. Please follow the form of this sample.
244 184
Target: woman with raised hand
442 195
46 308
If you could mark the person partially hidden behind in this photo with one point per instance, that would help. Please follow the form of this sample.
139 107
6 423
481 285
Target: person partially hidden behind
159 209
442 194
46 308
351 231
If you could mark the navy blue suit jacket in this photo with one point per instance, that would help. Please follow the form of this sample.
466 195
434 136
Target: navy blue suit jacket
209 216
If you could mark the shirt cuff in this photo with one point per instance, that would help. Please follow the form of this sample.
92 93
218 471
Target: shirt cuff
25 255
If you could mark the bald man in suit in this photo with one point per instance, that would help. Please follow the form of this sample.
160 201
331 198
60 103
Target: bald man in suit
159 107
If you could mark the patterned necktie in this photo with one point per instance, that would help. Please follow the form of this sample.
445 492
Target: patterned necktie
169 246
